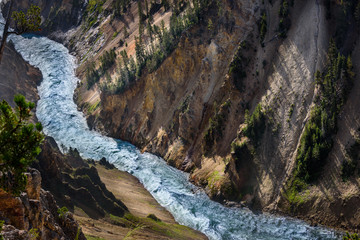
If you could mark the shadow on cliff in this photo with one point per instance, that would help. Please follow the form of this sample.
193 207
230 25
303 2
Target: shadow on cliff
74 183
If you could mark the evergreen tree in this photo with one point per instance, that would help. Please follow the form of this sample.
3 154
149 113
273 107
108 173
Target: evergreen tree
139 52
165 4
149 31
126 34
147 8
140 13
29 22
19 143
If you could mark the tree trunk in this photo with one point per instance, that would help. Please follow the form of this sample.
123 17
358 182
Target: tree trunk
6 31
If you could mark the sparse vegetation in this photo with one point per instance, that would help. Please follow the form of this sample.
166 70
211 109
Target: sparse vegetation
262 28
92 12
173 231
184 107
162 42
255 124
284 22
34 234
216 126
107 60
237 67
120 7
24 23
353 236
316 141
62 212
93 75
291 110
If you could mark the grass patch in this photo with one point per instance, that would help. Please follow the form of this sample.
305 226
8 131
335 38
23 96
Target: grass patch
93 107
154 224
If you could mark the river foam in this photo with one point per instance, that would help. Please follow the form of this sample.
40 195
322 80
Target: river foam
189 205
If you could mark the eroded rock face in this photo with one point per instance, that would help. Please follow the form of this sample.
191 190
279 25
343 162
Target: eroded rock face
57 15
11 233
35 212
169 112
17 76
74 183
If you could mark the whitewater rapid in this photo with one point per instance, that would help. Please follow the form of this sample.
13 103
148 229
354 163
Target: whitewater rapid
190 206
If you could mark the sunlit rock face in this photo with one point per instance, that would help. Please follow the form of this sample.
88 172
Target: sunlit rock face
35 210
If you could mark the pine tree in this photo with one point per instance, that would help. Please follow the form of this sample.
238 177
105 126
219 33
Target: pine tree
29 22
165 4
140 12
149 31
126 34
19 143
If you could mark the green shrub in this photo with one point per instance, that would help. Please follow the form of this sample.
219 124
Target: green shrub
353 236
291 110
255 124
62 212
34 233
262 28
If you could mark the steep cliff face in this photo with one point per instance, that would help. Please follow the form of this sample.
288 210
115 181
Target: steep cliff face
75 184
192 109
35 214
57 16
17 76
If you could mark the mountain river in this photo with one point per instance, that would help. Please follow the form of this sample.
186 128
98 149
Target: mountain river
188 204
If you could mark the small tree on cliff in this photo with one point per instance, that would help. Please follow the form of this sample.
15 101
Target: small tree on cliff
23 23
19 143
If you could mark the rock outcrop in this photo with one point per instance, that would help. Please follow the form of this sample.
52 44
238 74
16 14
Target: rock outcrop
74 183
17 77
35 213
